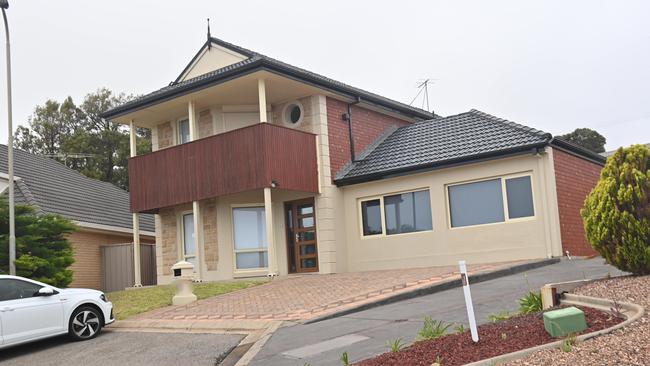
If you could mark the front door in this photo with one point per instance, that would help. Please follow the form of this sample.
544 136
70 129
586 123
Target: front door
301 236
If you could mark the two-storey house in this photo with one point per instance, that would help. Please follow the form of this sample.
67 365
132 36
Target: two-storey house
259 167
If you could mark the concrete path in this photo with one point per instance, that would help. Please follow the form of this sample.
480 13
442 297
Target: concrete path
364 334
124 348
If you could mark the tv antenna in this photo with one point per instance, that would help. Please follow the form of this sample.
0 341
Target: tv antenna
423 86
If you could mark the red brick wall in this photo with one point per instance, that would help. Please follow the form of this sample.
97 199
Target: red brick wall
367 127
574 179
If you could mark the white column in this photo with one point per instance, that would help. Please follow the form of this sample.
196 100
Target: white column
137 277
198 238
268 215
196 206
191 114
261 91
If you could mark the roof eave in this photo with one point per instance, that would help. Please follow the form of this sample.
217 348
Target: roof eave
264 64
577 150
476 158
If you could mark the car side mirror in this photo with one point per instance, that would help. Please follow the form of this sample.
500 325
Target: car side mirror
46 291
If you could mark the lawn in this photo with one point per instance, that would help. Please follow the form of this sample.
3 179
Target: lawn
131 302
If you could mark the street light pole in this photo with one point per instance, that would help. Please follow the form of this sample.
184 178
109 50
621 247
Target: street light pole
4 4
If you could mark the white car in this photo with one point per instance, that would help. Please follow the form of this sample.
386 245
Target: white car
31 310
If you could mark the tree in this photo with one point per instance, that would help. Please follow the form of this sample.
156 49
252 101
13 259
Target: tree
42 251
587 138
80 138
617 211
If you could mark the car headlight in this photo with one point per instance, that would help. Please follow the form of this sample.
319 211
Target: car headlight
103 297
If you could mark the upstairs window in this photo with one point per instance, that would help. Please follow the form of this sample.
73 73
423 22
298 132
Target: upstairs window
293 113
183 131
483 202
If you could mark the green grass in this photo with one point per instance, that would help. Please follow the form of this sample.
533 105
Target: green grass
131 302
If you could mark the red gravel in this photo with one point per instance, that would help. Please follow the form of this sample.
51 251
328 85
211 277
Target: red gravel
521 332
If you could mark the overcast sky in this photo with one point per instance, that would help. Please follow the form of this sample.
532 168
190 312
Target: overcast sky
552 65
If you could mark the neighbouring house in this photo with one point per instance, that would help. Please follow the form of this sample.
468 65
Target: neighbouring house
259 167
99 209
607 154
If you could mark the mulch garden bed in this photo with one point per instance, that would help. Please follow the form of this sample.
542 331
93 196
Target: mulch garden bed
517 333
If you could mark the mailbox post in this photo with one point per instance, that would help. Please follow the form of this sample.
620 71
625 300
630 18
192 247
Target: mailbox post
183 274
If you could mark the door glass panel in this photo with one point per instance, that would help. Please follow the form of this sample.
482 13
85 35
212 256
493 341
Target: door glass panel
252 260
250 227
308 263
189 245
307 235
307 249
305 209
306 222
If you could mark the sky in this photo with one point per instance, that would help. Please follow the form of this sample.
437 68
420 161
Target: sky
551 65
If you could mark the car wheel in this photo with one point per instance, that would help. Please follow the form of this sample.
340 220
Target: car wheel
85 323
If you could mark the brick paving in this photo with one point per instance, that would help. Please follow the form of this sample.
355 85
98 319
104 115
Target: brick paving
304 297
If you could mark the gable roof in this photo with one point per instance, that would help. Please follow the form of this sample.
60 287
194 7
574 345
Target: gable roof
51 187
256 62
443 141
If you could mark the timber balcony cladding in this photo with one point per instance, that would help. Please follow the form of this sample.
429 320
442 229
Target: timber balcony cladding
245 159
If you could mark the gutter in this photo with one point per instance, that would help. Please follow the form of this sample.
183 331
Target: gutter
578 151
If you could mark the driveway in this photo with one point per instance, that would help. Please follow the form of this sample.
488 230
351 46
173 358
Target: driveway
304 297
124 348
364 334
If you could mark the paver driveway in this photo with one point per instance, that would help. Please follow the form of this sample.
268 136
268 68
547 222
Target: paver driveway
303 297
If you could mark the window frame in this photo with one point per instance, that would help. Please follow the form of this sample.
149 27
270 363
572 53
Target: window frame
181 220
236 251
382 212
285 110
178 130
40 286
504 197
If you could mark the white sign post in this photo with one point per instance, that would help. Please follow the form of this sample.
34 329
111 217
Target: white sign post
468 300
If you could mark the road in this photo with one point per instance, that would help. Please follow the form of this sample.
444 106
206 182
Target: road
364 334
124 348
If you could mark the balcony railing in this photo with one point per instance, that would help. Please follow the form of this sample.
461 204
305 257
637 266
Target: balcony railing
245 159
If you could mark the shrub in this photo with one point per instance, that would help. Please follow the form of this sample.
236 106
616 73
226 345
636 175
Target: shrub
617 211
432 329
531 303
42 251
395 345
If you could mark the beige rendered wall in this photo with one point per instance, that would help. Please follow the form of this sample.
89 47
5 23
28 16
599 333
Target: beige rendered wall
86 246
527 239
212 59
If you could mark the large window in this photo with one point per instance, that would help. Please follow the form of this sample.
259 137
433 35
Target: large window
189 240
251 247
483 202
402 213
183 131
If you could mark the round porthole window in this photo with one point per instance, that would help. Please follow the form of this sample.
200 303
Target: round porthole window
293 113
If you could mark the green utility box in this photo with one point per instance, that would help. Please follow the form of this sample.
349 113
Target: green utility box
559 323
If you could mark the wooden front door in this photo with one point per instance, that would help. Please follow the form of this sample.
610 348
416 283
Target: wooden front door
301 236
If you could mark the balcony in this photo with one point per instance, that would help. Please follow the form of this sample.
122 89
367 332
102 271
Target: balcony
241 160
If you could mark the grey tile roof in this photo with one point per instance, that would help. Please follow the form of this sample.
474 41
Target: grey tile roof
440 141
255 60
52 187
